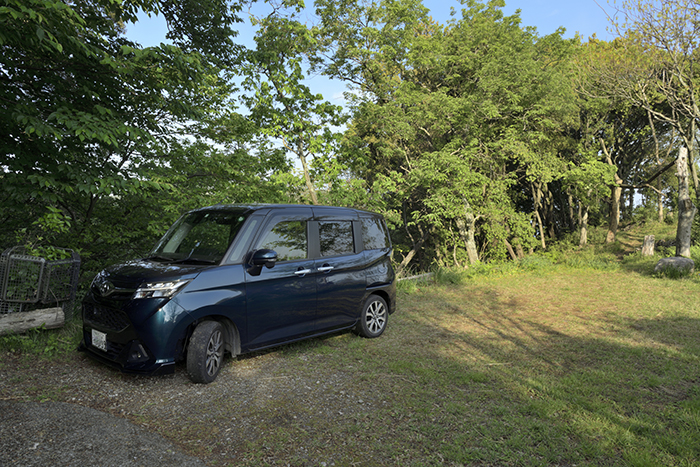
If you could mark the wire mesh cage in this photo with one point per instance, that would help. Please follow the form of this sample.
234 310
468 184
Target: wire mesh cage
22 278
29 282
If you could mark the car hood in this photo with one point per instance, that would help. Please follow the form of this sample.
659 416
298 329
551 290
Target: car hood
133 273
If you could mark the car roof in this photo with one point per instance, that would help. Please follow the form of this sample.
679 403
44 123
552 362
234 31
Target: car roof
324 210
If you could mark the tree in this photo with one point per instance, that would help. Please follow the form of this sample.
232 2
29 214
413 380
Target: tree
622 131
669 35
449 123
111 141
279 101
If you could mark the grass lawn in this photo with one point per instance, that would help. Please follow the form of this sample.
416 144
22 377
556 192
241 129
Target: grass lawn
565 367
544 365
555 366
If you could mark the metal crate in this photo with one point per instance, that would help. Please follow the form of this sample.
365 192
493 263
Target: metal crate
22 277
29 282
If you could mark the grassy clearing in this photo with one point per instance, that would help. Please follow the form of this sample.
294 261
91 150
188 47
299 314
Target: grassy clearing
565 367
565 359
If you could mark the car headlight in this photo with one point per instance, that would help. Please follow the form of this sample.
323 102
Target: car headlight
160 289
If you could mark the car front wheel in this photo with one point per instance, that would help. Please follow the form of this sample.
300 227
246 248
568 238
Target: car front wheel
374 318
205 353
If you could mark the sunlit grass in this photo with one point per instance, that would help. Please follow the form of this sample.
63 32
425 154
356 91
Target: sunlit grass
604 364
567 358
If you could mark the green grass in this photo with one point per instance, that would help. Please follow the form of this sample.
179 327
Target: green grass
555 366
44 343
568 358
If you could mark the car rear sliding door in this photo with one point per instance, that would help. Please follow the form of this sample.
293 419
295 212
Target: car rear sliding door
340 282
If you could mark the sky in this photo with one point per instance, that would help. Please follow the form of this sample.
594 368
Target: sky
585 17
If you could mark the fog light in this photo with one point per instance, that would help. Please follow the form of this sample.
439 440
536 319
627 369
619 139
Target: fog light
137 353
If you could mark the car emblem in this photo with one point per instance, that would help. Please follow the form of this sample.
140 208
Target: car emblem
105 288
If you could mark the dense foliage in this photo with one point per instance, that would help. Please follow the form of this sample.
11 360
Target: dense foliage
478 139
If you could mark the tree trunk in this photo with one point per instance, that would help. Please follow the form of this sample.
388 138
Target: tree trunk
511 251
519 250
467 231
583 241
548 207
630 204
614 221
572 217
648 246
686 208
537 197
409 256
660 205
307 176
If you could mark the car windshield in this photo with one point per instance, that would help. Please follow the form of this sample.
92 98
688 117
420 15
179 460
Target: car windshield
199 237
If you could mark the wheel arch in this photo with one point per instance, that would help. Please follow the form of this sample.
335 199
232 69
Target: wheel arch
381 293
232 337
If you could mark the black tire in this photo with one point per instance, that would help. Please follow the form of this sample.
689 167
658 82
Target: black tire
205 352
374 317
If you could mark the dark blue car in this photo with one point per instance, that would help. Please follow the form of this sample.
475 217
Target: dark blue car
238 279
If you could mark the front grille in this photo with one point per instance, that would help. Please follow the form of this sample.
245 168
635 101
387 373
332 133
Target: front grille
114 350
107 318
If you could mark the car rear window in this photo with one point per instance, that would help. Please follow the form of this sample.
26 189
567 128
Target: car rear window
374 235
336 238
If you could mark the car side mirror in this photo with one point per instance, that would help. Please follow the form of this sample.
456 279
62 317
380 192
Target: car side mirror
261 258
266 258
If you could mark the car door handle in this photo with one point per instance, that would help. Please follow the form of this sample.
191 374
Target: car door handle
302 272
325 268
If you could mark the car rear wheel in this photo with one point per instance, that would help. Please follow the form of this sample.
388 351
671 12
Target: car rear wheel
374 318
205 352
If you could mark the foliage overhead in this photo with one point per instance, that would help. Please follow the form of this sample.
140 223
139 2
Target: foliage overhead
478 139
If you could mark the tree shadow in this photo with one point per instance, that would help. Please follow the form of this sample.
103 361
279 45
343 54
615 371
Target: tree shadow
623 390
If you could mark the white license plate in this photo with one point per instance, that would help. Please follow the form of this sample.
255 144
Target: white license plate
99 340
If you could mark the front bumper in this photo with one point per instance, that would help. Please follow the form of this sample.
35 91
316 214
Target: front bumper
155 369
131 335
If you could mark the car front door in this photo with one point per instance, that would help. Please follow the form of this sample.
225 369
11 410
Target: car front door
281 301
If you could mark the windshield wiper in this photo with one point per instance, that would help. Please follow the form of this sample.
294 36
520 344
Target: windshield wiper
195 260
159 257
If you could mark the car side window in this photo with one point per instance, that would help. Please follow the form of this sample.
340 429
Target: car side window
374 235
335 238
288 239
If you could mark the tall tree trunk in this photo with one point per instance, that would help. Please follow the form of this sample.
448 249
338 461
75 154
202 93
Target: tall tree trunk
614 221
305 167
572 218
549 212
660 204
537 197
686 208
630 206
467 231
583 241
511 251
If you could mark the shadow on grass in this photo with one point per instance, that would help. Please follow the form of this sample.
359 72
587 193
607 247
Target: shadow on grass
538 387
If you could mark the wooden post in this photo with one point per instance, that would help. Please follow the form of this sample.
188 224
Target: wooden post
648 246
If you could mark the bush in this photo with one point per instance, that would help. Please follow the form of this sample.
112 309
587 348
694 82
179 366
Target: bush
537 262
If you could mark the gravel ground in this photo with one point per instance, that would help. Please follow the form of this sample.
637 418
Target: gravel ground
79 412
57 433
